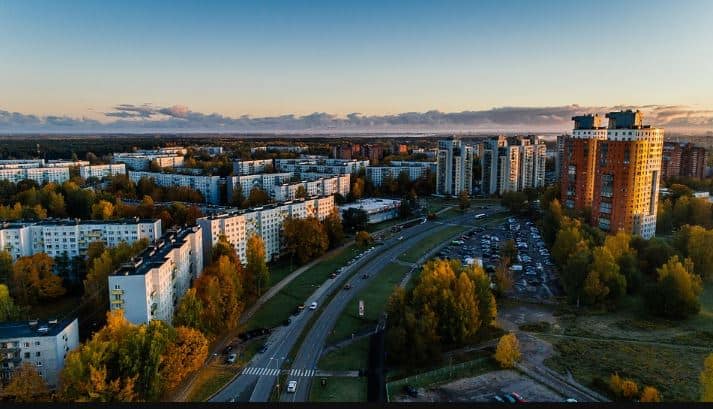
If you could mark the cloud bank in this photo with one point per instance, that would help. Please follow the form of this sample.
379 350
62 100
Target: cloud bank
148 118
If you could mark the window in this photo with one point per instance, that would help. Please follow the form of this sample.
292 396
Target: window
38 353
27 355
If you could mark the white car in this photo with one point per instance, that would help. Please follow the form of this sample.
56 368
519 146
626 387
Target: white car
313 306
292 386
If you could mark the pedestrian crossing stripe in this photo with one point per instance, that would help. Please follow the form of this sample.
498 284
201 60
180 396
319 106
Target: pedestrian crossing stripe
256 371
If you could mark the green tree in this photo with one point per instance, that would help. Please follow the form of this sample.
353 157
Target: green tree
8 310
363 239
676 293
304 238
257 197
189 310
333 226
5 266
706 378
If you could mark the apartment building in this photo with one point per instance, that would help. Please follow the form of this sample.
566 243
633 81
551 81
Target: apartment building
263 181
252 167
331 166
683 160
208 186
415 170
149 286
238 226
43 344
72 237
171 157
454 164
614 171
319 186
511 166
38 174
102 171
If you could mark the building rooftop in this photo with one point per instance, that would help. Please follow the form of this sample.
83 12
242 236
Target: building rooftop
237 211
372 205
155 255
34 328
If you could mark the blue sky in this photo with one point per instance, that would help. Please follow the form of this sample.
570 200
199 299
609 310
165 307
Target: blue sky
267 58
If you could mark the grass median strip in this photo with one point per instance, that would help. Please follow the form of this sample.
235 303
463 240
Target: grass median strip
352 357
279 307
375 295
431 241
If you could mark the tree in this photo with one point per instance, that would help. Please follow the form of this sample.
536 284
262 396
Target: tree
507 352
257 197
503 277
363 239
220 289
650 394
675 294
189 310
333 226
304 238
257 272
354 219
706 378
357 190
508 250
183 356
5 266
102 210
32 280
623 387
463 200
516 202
604 282
8 310
699 250
26 386
301 192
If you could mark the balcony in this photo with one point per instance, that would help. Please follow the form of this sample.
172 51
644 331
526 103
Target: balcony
117 291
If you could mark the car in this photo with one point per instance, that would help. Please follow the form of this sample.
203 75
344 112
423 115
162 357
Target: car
292 386
509 399
411 391
232 358
571 400
301 307
364 276
518 397
347 286
497 398
333 275
287 322
313 306
263 349
400 238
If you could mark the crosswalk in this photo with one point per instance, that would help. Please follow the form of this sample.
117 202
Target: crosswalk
261 371
301 372
274 372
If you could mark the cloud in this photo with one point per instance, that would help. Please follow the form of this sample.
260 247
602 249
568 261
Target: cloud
130 118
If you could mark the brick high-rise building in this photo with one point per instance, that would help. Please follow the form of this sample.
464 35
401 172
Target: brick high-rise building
454 169
373 152
614 171
683 160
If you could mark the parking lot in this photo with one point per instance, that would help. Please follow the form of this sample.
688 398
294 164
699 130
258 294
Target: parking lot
532 270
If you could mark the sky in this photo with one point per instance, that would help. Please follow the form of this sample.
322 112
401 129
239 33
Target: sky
309 65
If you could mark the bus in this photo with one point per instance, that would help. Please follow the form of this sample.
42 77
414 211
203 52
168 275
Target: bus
479 216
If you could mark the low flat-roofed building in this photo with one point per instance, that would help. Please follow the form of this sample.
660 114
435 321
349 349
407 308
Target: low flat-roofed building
377 210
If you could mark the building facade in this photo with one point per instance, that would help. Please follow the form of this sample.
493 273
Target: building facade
149 286
102 171
614 171
377 210
252 167
208 186
331 166
263 181
415 170
320 186
40 175
683 160
43 344
454 164
266 222
56 238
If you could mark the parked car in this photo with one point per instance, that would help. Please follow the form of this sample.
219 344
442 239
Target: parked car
364 276
232 358
287 322
292 386
518 397
313 306
263 349
333 275
347 286
509 399
498 398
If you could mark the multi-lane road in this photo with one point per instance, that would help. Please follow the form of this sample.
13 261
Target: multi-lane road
259 377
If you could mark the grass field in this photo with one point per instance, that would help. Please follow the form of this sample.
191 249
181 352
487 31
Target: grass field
279 307
209 381
352 357
417 251
339 390
673 371
375 296
279 270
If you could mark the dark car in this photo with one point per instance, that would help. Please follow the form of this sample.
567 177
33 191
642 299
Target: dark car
509 399
347 286
364 276
287 322
411 391
263 349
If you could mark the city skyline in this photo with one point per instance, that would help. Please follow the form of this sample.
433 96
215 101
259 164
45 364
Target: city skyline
91 67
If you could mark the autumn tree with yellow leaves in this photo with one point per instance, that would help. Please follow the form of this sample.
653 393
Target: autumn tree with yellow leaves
507 353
